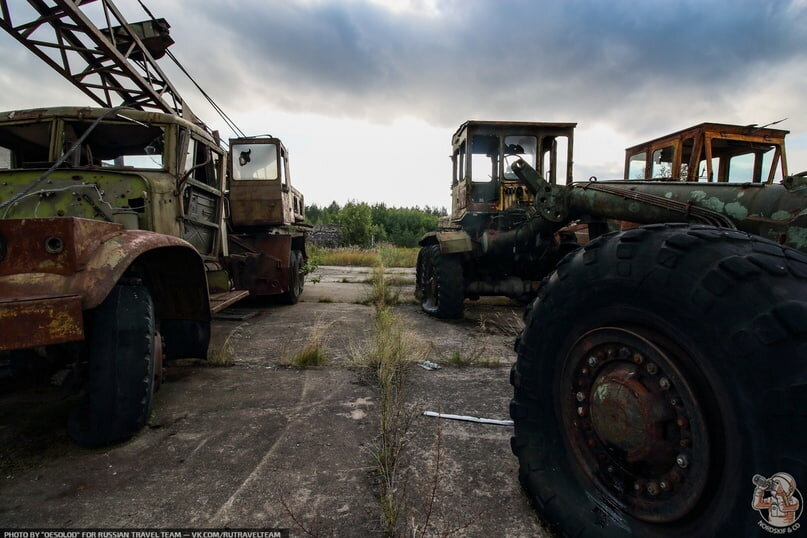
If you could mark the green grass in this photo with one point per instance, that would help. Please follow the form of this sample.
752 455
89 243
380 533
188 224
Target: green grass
223 355
310 355
386 255
398 256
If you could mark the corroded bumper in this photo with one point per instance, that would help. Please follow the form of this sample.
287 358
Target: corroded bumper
38 321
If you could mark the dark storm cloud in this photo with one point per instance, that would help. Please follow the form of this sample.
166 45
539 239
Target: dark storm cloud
631 64
526 59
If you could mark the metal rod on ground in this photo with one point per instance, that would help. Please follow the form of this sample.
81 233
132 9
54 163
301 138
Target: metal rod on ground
469 419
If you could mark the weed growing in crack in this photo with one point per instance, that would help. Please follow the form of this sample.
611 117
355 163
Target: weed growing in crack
312 353
224 355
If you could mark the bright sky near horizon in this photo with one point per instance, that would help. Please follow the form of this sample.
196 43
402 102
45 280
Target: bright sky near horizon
366 93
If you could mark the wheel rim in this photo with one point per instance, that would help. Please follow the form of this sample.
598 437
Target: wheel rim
635 423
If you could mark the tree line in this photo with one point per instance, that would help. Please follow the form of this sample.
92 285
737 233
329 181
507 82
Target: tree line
364 225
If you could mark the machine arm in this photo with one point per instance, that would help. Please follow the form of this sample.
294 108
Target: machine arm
101 63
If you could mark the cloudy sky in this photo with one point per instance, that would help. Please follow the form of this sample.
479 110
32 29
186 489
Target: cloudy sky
366 93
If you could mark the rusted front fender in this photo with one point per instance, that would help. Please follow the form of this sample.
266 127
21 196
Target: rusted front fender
83 259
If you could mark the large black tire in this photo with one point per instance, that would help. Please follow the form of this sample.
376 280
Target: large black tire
422 253
121 358
660 369
442 286
296 278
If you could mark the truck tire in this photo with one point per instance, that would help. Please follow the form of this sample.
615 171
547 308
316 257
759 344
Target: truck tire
121 356
659 370
443 291
422 253
296 278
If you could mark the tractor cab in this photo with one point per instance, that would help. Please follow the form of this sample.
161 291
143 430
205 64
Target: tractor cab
711 152
483 182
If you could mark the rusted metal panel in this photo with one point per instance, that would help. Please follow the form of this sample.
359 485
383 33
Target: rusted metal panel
94 256
220 301
260 262
58 245
37 321
454 242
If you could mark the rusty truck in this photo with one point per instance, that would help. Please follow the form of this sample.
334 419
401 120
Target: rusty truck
124 228
662 363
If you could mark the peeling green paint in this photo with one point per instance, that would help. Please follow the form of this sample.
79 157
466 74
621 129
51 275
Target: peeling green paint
797 237
697 196
781 215
736 210
714 203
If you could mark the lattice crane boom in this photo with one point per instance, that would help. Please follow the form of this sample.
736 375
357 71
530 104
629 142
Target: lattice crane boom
104 64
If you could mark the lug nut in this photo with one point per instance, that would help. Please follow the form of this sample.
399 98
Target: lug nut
652 488
637 358
610 469
592 361
651 368
682 461
675 401
664 383
624 353
580 396
664 485
581 411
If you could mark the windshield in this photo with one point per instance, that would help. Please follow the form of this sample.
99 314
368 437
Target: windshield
116 145
128 145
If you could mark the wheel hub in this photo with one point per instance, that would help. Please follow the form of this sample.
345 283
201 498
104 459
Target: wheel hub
634 423
628 416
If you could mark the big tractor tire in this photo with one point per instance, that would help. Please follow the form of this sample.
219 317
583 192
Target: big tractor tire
296 279
660 369
422 253
123 354
442 288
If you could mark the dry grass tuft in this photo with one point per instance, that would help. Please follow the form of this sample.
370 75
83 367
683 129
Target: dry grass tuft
312 354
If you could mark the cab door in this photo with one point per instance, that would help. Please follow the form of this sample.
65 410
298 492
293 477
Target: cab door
257 168
201 197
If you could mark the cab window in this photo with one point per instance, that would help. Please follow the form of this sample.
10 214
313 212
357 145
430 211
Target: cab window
255 162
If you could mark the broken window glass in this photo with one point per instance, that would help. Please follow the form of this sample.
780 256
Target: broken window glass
636 165
116 145
25 145
662 162
519 147
255 161
484 158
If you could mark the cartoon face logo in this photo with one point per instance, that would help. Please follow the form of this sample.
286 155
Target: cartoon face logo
777 499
